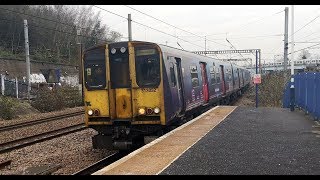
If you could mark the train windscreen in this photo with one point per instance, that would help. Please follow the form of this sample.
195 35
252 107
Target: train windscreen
147 60
95 69
119 66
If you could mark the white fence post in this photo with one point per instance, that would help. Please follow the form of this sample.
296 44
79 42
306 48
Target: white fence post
2 84
17 86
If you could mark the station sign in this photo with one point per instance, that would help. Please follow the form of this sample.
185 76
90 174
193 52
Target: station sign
257 78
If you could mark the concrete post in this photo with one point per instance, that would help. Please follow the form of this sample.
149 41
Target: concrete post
2 84
17 88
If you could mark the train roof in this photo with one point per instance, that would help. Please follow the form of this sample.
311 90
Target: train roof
188 53
166 48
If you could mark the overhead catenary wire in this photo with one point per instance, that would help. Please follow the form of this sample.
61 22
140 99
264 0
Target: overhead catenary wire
306 48
162 21
148 26
173 25
313 38
188 31
87 27
306 25
191 42
245 25
232 46
166 33
309 35
248 37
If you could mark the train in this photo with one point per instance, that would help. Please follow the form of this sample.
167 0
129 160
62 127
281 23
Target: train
137 90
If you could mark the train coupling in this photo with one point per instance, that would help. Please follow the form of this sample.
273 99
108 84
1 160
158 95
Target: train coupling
108 142
102 142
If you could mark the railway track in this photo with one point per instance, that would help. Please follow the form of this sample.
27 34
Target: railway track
38 121
26 141
102 163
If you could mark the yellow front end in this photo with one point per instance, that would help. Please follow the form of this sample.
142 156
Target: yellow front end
122 99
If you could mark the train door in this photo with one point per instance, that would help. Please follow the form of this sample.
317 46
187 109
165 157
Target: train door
238 71
178 74
223 82
242 78
120 83
233 79
204 82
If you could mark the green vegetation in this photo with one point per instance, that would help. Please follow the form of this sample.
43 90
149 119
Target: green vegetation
7 107
52 31
71 96
57 99
272 88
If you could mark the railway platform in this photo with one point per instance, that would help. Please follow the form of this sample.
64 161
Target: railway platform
230 140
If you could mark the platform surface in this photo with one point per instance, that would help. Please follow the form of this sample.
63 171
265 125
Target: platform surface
230 140
255 141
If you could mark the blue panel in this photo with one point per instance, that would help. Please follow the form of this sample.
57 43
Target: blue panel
303 91
310 89
300 95
317 96
307 93
297 88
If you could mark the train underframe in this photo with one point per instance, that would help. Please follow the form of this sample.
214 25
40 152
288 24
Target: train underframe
122 135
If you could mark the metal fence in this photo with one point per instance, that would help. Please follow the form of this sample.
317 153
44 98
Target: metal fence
16 88
307 93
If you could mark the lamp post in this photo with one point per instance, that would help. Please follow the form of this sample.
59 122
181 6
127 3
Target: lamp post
292 64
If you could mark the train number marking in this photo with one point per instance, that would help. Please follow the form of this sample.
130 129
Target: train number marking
149 89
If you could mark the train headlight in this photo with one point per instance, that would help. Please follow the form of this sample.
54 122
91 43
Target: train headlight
123 49
142 111
90 112
113 50
156 110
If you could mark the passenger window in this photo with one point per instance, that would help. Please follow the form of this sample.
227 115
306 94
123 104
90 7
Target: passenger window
228 75
212 74
194 76
172 75
217 75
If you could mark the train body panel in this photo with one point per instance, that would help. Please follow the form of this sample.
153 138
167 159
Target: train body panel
145 87
197 89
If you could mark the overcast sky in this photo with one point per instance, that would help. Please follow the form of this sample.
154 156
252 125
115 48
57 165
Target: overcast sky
245 26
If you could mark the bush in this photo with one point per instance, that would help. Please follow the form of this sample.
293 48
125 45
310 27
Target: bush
47 101
272 88
59 98
7 107
71 96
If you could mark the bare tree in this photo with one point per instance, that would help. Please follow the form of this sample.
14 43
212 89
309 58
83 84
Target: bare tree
53 36
304 54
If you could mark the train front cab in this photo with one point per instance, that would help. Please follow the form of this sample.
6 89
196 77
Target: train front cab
123 92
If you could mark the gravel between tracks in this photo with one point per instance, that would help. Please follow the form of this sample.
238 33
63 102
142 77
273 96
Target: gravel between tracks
247 99
31 117
73 152
40 128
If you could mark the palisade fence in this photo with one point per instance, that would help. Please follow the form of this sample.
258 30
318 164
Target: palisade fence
307 93
16 88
